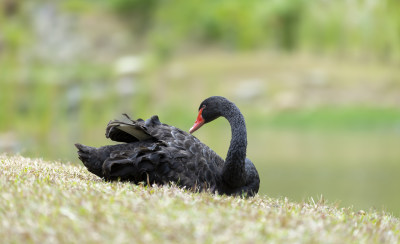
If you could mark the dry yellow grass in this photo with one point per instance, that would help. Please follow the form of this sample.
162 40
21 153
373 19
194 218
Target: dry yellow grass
50 202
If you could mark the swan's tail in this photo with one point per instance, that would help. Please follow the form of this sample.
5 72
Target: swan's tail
91 158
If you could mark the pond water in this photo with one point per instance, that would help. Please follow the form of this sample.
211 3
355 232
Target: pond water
359 169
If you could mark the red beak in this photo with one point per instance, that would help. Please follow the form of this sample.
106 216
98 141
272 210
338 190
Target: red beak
199 122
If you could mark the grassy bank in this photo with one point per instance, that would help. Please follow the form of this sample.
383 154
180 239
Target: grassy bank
50 202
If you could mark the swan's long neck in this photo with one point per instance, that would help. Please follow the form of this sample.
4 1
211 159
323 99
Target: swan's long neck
234 170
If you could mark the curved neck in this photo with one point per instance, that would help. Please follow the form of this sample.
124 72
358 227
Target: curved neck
234 169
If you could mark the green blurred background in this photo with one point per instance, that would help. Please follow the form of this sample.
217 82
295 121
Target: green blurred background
318 82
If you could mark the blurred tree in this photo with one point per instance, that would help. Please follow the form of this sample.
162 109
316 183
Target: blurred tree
288 14
139 13
10 7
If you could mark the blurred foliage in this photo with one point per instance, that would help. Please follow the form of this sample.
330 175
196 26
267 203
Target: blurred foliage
138 13
234 24
372 27
359 27
369 27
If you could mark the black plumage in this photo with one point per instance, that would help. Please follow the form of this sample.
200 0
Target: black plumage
153 152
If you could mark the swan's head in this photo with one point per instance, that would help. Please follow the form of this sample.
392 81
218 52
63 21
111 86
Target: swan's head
209 109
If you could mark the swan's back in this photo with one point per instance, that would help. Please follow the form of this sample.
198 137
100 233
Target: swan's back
154 153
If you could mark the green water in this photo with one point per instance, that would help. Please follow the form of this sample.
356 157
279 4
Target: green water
350 168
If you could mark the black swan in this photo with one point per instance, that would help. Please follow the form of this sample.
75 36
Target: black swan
158 153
